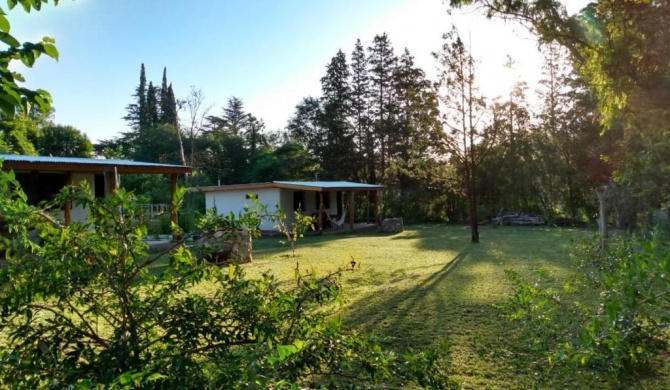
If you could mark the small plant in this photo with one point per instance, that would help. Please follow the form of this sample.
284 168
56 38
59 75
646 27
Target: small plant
294 229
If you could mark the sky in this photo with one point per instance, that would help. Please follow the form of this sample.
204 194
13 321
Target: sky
269 53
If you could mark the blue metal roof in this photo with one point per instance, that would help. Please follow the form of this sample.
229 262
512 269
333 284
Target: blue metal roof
79 160
22 162
326 185
295 185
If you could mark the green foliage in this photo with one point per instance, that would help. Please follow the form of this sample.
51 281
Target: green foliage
81 308
63 141
13 95
295 229
613 317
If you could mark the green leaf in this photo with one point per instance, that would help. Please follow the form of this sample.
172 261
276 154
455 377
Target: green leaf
4 23
9 40
51 51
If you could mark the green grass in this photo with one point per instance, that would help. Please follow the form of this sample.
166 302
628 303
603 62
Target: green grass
429 285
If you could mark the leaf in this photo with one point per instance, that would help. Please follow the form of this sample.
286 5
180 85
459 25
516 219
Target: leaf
4 23
51 51
9 40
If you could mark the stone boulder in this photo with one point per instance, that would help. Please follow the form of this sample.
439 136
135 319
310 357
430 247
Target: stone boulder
392 225
226 246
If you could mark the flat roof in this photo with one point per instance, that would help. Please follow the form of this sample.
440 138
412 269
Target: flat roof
81 164
295 185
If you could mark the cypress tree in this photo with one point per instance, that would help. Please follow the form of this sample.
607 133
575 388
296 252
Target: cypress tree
152 105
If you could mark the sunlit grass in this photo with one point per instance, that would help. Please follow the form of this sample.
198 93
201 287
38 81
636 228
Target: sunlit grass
429 285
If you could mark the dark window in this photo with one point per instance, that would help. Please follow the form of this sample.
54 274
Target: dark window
41 186
326 200
298 200
99 186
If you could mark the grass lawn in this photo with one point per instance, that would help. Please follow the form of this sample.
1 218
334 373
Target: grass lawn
429 285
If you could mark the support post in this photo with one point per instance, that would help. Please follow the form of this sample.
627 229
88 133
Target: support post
173 201
321 212
111 180
351 210
376 205
67 212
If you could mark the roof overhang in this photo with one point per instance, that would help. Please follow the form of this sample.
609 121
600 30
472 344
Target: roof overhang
317 186
86 165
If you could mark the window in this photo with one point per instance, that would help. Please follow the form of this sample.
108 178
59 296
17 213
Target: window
41 186
298 200
99 186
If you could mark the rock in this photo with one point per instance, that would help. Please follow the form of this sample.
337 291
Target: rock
226 246
392 225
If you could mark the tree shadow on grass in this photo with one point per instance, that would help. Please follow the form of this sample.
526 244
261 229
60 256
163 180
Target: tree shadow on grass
407 316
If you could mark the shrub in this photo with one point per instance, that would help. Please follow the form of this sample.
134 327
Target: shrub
85 308
612 317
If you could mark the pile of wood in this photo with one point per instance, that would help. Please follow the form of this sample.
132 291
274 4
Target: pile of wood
517 218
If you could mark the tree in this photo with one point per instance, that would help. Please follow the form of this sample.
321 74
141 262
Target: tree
620 48
196 115
306 127
467 141
360 117
21 133
338 150
13 95
63 141
382 64
414 143
137 116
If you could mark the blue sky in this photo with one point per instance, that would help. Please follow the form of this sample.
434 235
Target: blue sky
269 53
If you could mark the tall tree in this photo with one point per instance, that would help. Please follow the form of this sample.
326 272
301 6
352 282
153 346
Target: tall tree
136 112
360 116
467 141
416 140
382 65
338 151
152 106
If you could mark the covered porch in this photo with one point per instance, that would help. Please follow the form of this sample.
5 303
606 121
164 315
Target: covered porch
41 177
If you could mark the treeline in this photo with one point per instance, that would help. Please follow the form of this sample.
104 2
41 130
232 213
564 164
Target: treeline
442 148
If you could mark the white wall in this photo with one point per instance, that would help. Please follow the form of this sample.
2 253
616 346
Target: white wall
227 201
78 213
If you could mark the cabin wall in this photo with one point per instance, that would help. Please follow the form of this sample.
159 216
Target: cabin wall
78 213
226 201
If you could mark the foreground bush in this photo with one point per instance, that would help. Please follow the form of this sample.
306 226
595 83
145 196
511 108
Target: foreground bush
84 306
613 317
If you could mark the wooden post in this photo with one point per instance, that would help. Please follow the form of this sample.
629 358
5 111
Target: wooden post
111 180
321 212
173 201
67 214
351 210
376 205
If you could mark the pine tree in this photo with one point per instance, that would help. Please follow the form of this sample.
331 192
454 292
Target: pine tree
339 150
360 107
382 64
